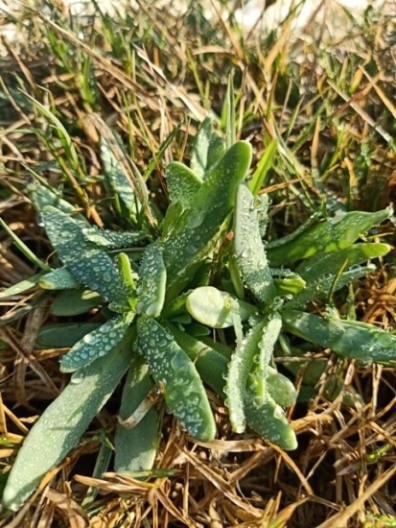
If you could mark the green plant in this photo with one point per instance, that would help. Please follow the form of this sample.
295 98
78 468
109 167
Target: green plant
163 285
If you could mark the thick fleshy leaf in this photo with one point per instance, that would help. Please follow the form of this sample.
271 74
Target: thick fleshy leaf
280 388
324 286
270 335
327 236
118 182
88 264
208 148
269 421
348 338
62 335
289 284
152 281
216 308
170 367
58 279
136 444
75 302
62 424
183 183
331 263
109 239
240 366
328 272
249 252
196 232
42 197
97 343
211 364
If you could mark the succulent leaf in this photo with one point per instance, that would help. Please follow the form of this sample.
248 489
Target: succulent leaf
330 235
88 264
350 339
269 420
198 228
216 308
239 368
183 183
136 447
171 367
152 283
61 425
97 343
208 148
58 279
249 252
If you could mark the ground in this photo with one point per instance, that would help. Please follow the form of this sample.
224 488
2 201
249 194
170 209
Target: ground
144 73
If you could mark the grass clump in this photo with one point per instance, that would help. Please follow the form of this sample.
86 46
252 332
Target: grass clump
151 270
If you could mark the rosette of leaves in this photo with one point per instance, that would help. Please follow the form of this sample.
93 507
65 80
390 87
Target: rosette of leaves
153 287
128 276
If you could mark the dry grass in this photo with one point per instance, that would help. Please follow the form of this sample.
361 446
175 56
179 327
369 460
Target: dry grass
144 76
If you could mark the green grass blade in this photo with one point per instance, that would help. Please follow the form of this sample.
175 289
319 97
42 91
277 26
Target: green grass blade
74 160
229 112
22 286
158 156
264 165
23 248
62 424
170 366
